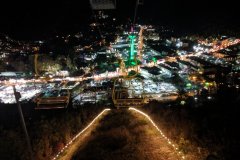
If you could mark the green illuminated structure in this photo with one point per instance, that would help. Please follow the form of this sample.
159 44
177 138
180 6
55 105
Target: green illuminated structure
154 60
189 85
131 58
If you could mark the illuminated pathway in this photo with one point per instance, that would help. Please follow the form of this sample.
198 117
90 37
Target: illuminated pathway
89 127
128 127
159 130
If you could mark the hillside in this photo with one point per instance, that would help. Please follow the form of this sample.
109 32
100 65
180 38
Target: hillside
124 134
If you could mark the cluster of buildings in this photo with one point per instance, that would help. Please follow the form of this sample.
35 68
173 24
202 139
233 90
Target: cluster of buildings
168 65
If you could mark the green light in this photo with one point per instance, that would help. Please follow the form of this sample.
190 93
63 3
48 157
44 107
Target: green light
133 63
189 85
131 55
206 84
154 59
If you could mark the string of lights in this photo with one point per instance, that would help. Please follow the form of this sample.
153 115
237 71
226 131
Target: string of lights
160 131
80 133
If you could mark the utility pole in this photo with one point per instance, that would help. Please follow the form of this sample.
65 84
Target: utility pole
17 97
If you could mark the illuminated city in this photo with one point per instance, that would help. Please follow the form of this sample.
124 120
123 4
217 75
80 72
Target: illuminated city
120 84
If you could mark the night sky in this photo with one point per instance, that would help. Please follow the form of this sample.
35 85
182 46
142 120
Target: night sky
32 20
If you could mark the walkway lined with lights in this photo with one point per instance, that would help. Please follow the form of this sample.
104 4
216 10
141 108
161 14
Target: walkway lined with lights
100 115
160 131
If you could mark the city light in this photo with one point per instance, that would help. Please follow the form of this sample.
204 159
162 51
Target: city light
106 60
27 91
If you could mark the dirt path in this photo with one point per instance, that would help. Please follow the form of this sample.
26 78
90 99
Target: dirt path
81 139
125 135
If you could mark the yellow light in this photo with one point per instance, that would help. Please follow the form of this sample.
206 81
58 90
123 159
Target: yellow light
80 133
159 130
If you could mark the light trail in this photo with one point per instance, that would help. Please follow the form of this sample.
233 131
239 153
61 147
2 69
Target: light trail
160 131
80 133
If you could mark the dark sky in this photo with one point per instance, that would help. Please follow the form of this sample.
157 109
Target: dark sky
24 19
